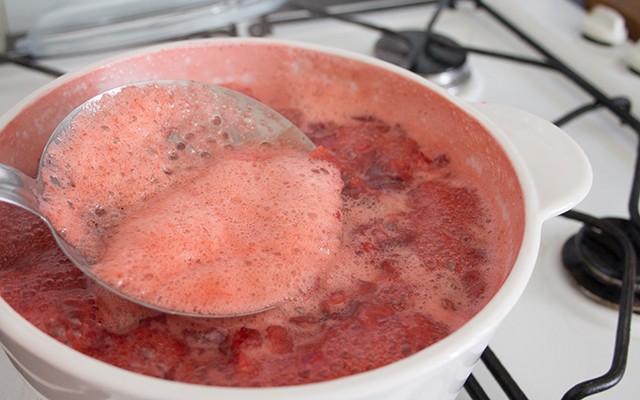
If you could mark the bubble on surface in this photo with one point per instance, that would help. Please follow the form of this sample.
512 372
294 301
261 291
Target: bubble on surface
172 155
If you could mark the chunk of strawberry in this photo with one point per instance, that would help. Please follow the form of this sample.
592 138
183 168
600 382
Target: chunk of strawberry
279 339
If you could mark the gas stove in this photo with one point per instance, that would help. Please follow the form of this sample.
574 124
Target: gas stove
530 55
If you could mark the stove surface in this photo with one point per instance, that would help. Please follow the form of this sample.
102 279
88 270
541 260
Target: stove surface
555 337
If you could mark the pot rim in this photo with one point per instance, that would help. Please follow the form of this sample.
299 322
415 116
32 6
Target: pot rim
101 374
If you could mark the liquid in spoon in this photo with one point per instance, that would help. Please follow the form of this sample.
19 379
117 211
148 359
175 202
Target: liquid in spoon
191 204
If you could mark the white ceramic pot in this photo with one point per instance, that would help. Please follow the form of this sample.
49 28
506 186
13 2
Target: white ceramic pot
533 170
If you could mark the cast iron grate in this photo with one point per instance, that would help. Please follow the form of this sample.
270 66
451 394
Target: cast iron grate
617 236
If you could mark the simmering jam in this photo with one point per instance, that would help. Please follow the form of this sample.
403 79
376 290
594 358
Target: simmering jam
419 256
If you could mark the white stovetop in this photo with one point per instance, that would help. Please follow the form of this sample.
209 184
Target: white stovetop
554 338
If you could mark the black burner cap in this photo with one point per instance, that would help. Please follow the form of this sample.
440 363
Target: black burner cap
595 262
439 58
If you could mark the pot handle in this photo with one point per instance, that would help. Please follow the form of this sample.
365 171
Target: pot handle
560 170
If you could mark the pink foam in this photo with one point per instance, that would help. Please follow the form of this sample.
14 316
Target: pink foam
241 237
173 216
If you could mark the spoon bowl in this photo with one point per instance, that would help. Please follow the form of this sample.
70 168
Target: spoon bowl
235 121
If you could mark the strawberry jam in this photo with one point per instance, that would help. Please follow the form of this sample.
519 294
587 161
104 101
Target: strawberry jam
421 252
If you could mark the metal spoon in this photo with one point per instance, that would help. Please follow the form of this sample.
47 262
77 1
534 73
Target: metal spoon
265 127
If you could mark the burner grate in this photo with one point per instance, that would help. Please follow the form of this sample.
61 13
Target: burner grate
596 263
621 237
438 58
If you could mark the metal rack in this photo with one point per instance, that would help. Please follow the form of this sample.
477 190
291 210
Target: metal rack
620 237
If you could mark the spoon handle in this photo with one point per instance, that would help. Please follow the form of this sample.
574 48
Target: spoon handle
19 189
